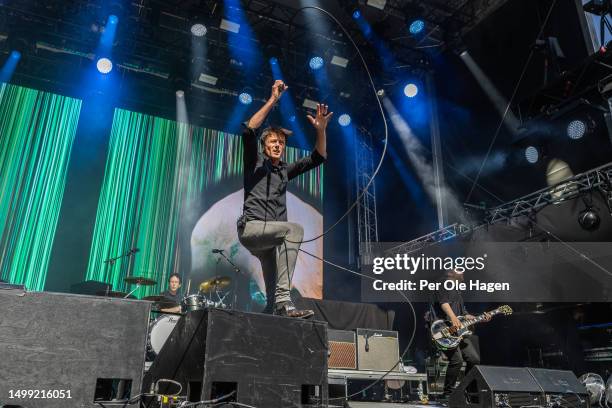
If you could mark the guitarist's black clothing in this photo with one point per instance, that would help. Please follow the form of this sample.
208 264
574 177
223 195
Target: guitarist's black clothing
468 350
453 298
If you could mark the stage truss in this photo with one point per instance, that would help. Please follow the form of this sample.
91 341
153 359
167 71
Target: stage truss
599 178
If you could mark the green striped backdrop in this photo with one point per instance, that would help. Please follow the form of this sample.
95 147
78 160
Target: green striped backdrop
37 130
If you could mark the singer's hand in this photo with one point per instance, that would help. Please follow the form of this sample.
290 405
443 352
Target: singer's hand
278 89
320 121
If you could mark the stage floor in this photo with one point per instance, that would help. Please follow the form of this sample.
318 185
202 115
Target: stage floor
360 404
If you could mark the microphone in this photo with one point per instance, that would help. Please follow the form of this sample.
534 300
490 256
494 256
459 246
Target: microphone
217 251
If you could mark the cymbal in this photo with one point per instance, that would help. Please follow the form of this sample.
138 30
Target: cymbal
218 282
113 294
134 280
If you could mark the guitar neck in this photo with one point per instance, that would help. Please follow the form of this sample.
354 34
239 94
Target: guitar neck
480 318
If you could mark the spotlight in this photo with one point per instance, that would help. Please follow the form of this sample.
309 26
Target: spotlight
576 129
316 63
245 98
292 118
273 61
589 219
15 54
113 19
416 26
380 93
531 154
411 90
198 30
356 14
344 120
104 65
180 93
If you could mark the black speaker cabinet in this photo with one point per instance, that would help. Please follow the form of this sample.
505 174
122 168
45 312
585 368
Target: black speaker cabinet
488 387
64 350
561 388
258 359
516 387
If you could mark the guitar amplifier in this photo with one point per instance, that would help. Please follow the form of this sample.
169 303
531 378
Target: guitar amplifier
342 349
377 350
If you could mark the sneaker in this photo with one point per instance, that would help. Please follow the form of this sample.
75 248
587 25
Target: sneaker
288 309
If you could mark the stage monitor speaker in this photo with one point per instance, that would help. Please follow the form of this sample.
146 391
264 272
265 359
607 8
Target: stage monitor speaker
377 350
256 359
64 350
342 349
561 388
489 386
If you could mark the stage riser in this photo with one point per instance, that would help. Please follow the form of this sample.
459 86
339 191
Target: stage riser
52 341
267 359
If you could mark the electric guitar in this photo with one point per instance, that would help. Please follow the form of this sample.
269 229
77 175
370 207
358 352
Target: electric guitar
447 337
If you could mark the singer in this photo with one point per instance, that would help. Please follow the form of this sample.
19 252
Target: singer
263 228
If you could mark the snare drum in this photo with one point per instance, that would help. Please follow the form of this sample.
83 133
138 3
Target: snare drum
159 331
193 302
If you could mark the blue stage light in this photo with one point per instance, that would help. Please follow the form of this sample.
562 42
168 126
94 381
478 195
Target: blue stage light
411 90
292 118
316 63
531 154
15 55
356 14
344 119
113 19
245 98
417 26
104 65
273 61
576 129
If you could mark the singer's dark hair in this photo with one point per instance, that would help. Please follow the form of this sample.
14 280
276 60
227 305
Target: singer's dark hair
276 130
177 275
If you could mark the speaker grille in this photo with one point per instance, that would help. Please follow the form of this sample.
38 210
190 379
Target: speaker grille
342 355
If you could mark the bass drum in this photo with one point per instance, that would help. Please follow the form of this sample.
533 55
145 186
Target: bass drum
159 331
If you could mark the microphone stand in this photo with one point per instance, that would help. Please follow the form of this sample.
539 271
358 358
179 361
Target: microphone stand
238 272
111 262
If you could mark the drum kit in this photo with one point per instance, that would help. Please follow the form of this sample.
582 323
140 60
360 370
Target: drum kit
211 293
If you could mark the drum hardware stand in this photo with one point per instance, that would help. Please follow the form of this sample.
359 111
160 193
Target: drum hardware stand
237 271
138 285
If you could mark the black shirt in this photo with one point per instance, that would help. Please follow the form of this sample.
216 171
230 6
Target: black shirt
453 298
265 185
176 297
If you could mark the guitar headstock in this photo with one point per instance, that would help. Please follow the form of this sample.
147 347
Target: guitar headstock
505 309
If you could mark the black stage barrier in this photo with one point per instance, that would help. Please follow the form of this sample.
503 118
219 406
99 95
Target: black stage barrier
60 350
249 358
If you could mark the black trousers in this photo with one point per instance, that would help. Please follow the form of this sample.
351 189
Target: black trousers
468 351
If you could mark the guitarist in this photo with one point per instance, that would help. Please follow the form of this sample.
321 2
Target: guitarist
448 305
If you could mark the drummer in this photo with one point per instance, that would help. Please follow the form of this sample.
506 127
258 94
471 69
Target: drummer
173 293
